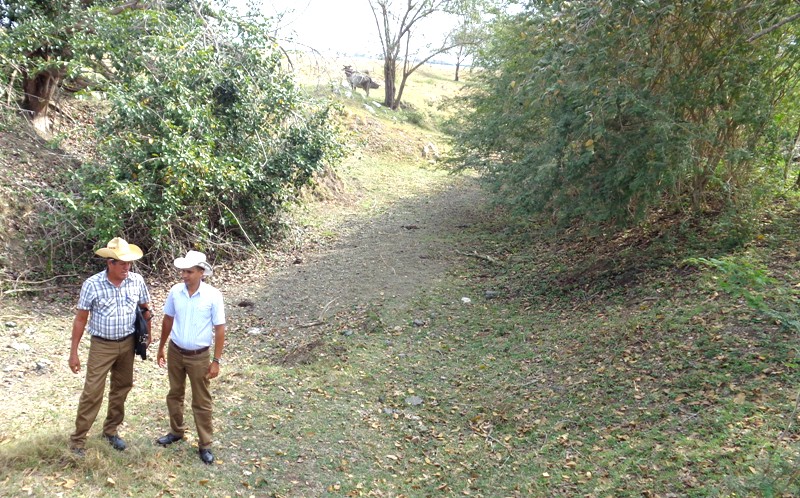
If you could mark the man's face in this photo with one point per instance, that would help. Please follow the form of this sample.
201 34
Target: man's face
192 276
118 270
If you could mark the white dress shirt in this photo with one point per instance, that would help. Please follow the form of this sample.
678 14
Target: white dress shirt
195 316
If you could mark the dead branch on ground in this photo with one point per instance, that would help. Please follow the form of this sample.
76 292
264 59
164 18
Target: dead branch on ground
474 254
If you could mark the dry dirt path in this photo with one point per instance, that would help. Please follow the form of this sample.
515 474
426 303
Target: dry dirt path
380 261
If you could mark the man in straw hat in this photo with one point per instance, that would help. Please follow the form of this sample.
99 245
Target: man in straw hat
107 305
194 319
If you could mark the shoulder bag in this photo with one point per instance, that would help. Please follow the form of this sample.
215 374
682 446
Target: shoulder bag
140 334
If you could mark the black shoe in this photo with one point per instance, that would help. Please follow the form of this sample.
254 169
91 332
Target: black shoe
168 439
116 442
206 456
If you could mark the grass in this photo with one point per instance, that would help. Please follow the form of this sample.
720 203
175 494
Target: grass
662 397
604 367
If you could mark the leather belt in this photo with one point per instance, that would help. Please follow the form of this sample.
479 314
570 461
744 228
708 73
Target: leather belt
112 340
189 352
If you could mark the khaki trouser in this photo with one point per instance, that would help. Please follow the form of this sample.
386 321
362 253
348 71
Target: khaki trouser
195 367
104 356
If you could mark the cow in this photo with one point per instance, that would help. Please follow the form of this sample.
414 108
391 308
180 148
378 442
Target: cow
359 80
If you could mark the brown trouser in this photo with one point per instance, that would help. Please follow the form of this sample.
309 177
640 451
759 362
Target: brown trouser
104 356
195 367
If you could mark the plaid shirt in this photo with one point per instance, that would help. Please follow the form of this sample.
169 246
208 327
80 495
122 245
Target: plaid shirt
111 308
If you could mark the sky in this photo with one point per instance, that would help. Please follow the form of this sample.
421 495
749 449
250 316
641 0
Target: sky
343 26
338 27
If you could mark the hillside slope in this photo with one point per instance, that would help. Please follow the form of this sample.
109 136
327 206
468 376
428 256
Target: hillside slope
408 339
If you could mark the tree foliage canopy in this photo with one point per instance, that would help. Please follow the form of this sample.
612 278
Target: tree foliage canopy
604 110
204 139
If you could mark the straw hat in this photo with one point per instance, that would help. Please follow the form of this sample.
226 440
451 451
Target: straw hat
119 249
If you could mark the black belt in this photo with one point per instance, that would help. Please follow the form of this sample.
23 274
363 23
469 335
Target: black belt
189 352
112 340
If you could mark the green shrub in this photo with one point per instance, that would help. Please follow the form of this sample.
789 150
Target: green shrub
743 278
207 137
605 111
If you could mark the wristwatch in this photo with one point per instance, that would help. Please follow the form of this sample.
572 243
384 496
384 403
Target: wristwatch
217 360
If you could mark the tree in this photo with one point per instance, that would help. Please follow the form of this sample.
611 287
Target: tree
603 111
395 25
38 41
469 36
202 136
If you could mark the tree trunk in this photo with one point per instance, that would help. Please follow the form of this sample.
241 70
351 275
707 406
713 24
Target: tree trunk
459 57
389 66
790 158
39 91
400 90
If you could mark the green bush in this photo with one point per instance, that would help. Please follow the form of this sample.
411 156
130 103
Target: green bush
605 111
207 137
742 278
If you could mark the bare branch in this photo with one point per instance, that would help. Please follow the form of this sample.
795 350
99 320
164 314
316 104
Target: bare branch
774 27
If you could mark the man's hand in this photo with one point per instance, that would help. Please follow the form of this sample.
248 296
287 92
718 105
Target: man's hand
161 358
74 363
213 370
78 325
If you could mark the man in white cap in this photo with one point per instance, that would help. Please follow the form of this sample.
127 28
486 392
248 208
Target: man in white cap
194 319
107 304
